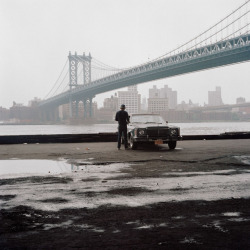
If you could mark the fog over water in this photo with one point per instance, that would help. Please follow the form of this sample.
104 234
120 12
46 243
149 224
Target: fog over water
186 128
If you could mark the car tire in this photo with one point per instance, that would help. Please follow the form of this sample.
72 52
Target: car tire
172 144
132 144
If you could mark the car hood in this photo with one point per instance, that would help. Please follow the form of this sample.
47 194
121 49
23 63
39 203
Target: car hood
146 125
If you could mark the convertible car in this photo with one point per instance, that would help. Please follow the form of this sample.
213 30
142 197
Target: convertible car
151 129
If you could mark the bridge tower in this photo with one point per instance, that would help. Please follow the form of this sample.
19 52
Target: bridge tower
74 63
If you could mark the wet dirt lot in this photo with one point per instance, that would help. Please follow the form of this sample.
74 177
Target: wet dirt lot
90 196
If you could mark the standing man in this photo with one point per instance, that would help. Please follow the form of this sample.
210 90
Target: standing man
123 119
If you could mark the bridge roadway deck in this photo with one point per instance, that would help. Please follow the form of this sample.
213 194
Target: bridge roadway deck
200 59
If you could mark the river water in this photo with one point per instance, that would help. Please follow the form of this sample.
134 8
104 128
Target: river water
186 128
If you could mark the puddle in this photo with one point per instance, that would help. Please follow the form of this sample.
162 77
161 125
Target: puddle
145 227
178 217
231 214
70 224
55 185
243 158
218 227
239 219
17 167
148 226
217 172
189 240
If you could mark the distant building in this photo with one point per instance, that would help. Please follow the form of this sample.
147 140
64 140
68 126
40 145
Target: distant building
111 103
214 97
131 99
240 100
156 105
110 107
64 111
144 105
165 93
34 102
187 106
24 114
4 114
105 115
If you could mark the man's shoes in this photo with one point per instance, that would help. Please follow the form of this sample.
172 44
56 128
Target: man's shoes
118 149
126 148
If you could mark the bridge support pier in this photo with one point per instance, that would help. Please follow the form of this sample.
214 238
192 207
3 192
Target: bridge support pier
70 105
43 115
87 105
90 108
50 114
84 108
77 109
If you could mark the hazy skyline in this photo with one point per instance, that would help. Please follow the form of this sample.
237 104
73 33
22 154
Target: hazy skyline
37 35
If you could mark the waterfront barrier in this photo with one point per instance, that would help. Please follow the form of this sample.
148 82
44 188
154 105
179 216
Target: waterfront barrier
103 137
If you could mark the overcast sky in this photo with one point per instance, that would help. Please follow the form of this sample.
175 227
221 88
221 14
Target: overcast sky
37 35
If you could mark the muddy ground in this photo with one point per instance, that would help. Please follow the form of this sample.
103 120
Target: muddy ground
194 197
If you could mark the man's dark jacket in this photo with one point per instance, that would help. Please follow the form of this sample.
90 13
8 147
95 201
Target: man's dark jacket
122 117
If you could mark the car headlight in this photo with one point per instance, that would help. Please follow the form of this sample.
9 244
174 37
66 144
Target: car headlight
173 132
141 131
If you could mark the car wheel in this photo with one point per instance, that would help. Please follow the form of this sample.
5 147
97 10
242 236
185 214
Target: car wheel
132 144
172 144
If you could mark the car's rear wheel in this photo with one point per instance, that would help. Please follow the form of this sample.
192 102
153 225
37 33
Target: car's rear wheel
132 143
172 144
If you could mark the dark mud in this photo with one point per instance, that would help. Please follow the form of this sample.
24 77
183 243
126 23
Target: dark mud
195 197
223 224
35 179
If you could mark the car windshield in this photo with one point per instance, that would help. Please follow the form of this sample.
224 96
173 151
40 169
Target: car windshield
147 119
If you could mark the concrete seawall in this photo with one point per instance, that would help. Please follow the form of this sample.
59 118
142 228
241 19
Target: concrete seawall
103 137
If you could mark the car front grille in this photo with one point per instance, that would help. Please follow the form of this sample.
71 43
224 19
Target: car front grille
157 131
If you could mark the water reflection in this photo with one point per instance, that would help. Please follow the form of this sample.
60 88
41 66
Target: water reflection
12 168
75 168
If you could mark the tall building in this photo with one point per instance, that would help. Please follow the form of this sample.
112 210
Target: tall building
214 97
24 114
144 105
109 109
4 114
111 103
131 99
171 95
165 93
156 105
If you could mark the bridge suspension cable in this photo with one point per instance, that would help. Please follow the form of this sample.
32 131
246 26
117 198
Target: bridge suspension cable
233 25
57 79
213 34
210 29
55 92
99 69
209 36
234 33
105 66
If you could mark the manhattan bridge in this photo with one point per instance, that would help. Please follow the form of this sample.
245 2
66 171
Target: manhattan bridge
226 42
